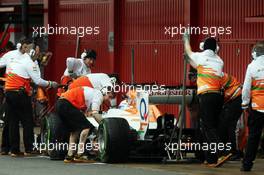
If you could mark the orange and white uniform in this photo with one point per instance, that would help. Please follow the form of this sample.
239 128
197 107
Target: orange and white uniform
253 88
209 70
232 88
77 66
84 98
74 65
8 57
96 81
20 71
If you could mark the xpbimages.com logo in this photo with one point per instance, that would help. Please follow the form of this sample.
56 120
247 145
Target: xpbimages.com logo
63 30
197 30
212 147
42 147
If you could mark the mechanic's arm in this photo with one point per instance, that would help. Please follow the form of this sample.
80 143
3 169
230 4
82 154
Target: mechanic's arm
72 64
246 89
33 72
188 51
97 101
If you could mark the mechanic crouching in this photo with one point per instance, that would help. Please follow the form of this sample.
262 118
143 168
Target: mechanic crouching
231 113
71 108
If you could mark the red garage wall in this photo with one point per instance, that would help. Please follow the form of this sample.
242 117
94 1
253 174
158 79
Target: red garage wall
139 24
235 48
70 13
158 58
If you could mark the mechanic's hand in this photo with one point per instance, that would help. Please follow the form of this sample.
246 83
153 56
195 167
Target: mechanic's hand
98 117
54 84
186 36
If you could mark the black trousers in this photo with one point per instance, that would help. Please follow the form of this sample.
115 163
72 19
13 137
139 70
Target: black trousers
5 146
19 109
72 117
230 115
255 125
210 109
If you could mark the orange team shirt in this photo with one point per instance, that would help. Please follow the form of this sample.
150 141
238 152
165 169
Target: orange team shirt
81 81
15 82
209 70
257 92
76 98
207 80
231 87
253 87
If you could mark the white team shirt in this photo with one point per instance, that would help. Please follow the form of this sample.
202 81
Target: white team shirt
77 66
255 70
209 60
93 98
99 80
23 66
9 57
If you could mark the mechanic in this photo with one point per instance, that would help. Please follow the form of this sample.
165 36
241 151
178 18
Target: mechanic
231 113
20 71
71 108
5 147
94 80
77 67
209 68
253 91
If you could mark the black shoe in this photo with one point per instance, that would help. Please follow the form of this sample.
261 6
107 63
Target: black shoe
69 159
246 169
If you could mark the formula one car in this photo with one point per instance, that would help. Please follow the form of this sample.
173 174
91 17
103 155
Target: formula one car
131 132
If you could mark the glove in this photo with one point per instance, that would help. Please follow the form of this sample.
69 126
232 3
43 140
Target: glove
53 84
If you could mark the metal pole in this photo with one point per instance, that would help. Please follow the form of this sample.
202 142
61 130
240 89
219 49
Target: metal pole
132 66
25 17
77 46
183 110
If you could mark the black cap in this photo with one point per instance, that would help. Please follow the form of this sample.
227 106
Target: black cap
90 54
210 43
24 40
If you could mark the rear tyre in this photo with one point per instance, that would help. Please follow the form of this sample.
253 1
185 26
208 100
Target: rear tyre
113 139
